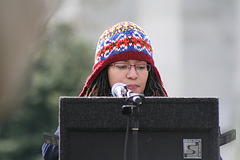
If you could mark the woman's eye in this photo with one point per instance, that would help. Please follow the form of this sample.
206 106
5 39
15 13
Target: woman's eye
122 66
141 67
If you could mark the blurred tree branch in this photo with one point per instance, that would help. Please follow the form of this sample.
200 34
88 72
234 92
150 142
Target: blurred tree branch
22 25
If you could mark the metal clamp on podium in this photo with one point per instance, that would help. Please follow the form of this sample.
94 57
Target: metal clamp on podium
227 137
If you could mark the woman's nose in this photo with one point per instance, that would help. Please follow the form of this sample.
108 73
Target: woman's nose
132 73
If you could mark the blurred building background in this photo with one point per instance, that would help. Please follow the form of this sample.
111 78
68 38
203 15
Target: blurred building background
195 43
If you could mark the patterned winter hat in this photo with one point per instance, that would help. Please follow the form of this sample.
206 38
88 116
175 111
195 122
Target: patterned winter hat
123 41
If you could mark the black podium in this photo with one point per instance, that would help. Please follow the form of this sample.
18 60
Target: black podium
169 129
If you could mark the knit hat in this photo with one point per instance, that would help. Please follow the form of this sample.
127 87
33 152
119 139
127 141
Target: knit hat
123 41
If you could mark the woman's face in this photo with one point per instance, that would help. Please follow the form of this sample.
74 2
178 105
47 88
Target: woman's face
135 77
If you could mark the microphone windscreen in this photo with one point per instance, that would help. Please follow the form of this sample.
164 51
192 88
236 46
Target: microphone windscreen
117 89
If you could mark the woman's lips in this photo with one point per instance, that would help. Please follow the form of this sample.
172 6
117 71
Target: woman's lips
132 86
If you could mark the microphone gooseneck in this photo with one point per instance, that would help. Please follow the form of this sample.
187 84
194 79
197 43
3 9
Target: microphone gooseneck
131 109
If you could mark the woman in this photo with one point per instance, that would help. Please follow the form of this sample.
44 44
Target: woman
123 54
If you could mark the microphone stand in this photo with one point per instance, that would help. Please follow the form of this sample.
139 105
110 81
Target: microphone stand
132 110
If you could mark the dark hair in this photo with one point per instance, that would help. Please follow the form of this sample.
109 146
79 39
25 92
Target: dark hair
100 86
153 86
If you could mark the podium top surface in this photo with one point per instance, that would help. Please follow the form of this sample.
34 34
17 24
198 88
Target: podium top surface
154 113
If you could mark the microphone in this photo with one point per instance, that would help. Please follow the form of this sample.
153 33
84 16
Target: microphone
121 90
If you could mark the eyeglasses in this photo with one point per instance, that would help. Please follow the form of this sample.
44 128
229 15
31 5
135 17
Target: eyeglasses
127 67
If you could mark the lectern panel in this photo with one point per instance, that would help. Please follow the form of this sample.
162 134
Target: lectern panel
169 129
